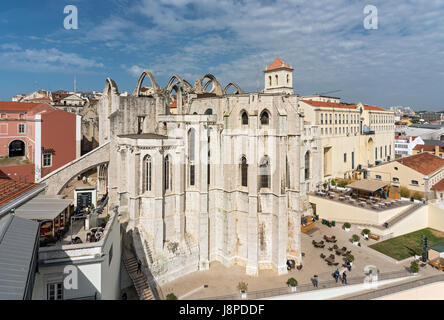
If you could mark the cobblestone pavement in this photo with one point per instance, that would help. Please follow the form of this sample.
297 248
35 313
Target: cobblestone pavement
223 281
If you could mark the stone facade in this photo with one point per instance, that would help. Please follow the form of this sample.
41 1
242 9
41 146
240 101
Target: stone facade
224 179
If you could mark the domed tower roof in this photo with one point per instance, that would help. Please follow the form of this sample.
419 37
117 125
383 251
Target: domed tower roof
278 63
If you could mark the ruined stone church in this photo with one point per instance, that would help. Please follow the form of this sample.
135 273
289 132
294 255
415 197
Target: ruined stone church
207 173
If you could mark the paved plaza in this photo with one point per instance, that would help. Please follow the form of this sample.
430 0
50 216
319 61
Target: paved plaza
223 281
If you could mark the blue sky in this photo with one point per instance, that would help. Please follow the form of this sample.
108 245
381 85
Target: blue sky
400 63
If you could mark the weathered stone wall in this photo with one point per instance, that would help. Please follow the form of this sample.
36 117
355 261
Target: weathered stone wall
187 226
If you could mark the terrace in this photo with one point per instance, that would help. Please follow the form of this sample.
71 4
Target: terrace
60 225
364 194
86 225
220 282
51 212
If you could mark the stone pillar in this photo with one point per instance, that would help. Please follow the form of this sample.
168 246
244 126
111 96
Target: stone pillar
282 218
98 183
179 176
113 174
203 187
133 192
158 185
213 194
253 219
294 220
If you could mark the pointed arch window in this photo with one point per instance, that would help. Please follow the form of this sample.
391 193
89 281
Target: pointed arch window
244 118
192 155
167 171
265 118
209 158
307 166
244 172
264 172
148 172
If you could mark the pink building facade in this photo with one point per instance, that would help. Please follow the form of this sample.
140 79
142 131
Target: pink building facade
36 139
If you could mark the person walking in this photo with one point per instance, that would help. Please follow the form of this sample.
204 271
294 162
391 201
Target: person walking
139 266
315 281
344 278
336 275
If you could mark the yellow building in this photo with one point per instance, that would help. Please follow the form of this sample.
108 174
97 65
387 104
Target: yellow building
406 122
419 173
353 136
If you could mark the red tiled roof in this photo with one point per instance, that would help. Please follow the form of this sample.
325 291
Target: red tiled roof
173 104
17 106
425 163
373 108
278 64
11 189
4 175
57 96
439 186
41 99
428 147
329 104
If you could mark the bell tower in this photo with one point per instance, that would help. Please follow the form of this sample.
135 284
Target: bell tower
278 77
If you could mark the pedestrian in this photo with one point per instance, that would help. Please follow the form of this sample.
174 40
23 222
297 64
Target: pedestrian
139 266
315 281
344 278
336 275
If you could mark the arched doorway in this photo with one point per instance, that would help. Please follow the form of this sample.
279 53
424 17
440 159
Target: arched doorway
16 148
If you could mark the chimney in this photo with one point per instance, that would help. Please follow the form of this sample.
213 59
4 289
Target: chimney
436 150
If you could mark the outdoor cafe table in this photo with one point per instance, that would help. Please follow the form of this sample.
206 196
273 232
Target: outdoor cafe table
330 259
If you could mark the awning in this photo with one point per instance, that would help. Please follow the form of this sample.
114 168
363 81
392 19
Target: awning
367 185
18 257
43 208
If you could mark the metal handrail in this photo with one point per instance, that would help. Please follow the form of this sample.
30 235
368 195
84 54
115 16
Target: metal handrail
397 288
259 294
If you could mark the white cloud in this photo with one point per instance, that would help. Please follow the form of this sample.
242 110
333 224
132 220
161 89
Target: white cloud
323 40
45 60
134 70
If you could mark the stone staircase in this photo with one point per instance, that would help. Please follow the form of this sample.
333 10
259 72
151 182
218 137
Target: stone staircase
389 223
149 252
138 279
402 215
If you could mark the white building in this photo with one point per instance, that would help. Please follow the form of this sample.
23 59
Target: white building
85 271
405 144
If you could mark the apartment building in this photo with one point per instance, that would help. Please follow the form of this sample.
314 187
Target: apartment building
353 136
404 145
36 139
419 173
